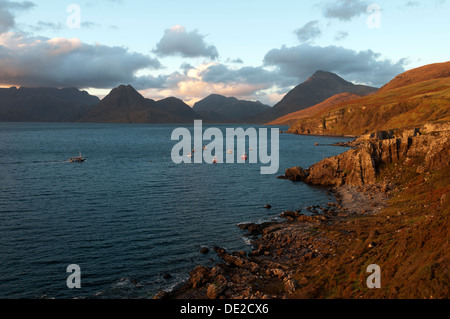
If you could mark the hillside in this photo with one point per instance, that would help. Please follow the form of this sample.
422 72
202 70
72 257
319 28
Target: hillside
408 106
310 111
125 105
44 104
220 109
319 87
424 73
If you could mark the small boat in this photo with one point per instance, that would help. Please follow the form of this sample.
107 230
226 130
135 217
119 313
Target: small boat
77 159
244 157
204 147
214 160
189 155
230 151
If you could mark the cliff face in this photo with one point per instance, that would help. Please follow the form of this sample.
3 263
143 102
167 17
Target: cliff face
427 147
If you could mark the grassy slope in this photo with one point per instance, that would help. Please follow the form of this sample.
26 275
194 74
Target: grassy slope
407 106
411 244
311 111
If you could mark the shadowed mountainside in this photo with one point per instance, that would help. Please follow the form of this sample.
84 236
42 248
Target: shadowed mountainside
125 105
44 104
220 109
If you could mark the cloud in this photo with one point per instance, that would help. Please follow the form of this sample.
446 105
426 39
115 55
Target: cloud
345 10
7 10
309 31
236 61
177 41
208 78
361 67
341 35
58 62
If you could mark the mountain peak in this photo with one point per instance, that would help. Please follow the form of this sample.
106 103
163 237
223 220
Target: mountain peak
316 89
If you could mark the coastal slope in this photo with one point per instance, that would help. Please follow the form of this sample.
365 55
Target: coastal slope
411 104
392 210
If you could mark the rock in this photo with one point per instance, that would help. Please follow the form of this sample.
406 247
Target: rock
296 174
204 250
290 285
372 244
167 276
361 165
160 295
268 206
214 290
199 276
289 214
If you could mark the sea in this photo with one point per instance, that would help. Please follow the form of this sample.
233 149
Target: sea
131 219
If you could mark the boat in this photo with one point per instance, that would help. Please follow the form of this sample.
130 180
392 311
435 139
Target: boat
77 159
230 151
214 160
204 147
244 157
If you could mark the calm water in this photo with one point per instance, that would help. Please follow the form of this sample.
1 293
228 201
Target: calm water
128 214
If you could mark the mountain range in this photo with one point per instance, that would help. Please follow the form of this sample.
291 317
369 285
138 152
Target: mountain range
125 105
308 107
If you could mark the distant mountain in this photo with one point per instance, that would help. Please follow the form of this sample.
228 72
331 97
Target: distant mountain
424 73
44 104
125 105
319 87
220 109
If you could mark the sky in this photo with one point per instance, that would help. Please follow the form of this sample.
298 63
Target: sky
252 50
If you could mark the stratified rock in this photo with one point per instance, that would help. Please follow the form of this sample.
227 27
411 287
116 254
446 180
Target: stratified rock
361 166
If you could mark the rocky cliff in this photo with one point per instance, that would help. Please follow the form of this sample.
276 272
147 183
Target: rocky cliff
427 147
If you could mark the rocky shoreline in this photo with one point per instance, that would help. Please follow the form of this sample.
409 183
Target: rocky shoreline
323 252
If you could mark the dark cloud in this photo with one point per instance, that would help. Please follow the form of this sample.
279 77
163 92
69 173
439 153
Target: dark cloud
362 67
7 10
345 10
40 61
177 41
236 61
341 35
309 31
220 73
